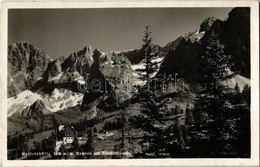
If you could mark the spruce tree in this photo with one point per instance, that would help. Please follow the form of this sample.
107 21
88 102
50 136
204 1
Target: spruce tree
246 93
212 101
237 97
150 53
189 120
153 111
125 144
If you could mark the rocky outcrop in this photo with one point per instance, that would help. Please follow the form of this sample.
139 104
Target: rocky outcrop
135 56
79 61
96 85
234 33
207 23
237 39
110 77
70 71
184 58
55 67
38 108
26 64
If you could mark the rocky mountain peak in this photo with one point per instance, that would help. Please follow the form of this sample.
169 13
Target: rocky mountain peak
96 55
88 49
207 23
38 108
26 64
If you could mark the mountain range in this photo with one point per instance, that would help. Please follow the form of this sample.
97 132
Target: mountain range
38 85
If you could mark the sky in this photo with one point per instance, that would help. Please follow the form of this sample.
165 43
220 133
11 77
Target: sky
61 32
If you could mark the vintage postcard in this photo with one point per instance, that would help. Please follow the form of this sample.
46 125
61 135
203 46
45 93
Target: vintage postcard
130 83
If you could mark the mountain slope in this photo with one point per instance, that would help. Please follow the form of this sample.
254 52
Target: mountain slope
26 64
59 99
184 58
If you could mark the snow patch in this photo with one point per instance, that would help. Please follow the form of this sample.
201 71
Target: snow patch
81 82
135 74
56 78
240 80
59 99
158 60
62 99
141 65
138 66
140 82
21 101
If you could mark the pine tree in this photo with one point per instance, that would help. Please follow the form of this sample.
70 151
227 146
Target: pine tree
189 120
237 95
149 55
246 94
174 139
151 122
88 147
212 102
125 145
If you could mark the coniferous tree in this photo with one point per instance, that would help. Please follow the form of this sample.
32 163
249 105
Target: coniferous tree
151 66
125 145
246 94
238 98
189 120
150 54
153 111
174 139
152 124
88 147
213 101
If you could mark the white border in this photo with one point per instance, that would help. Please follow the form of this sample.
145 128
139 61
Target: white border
253 161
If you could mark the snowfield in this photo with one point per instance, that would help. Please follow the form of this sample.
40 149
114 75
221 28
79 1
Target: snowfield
62 99
240 80
21 101
56 78
59 99
138 66
141 65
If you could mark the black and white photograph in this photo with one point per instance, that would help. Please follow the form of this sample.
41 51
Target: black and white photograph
129 83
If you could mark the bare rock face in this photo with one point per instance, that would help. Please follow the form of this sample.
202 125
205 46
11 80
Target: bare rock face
97 85
36 109
26 64
109 80
207 23
184 58
17 84
80 61
237 37
234 33
55 67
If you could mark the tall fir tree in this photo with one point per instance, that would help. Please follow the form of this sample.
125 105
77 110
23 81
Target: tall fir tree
150 118
151 121
213 100
150 54
125 146
189 120
246 94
